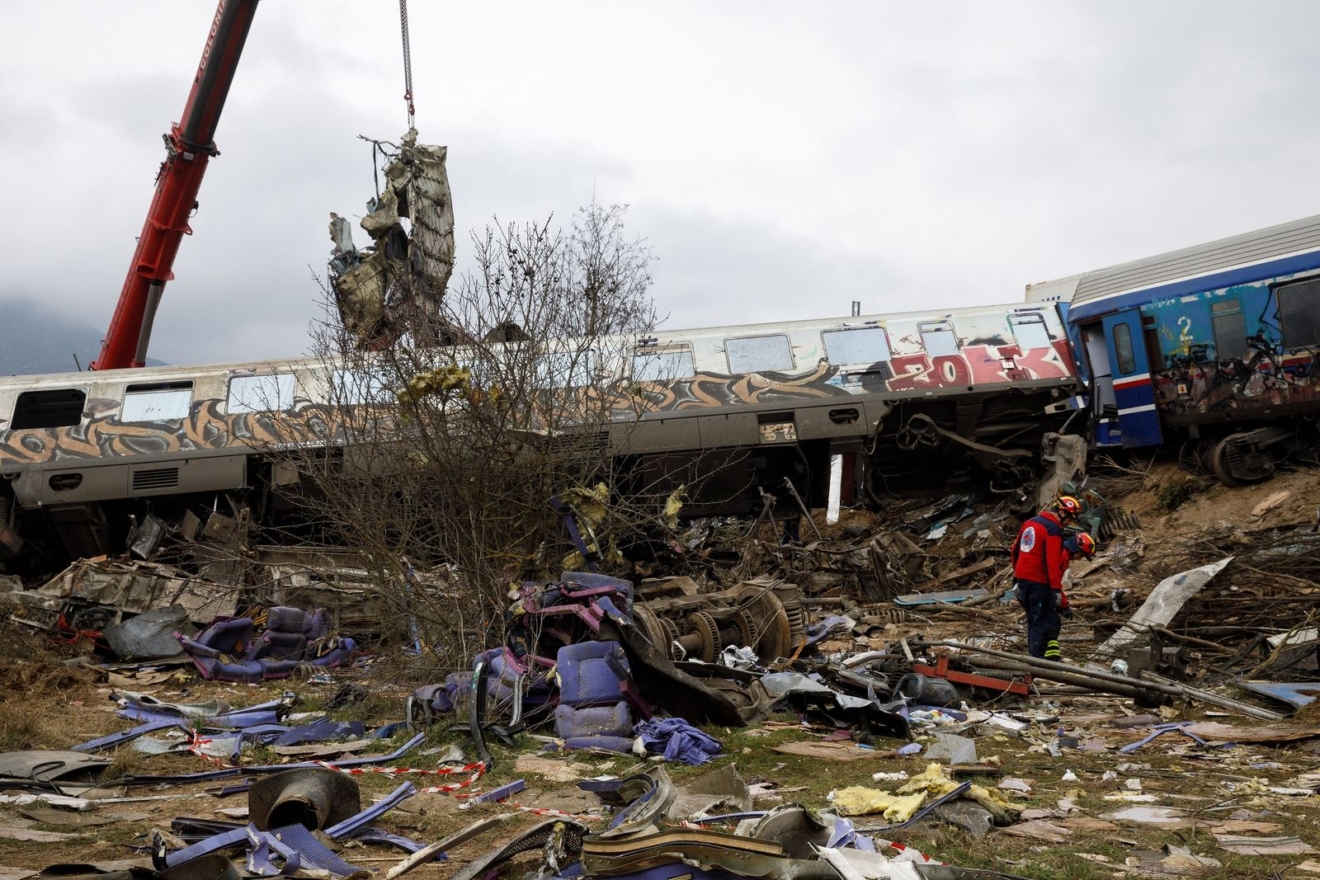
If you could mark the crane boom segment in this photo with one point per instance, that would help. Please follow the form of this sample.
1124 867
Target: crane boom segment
189 145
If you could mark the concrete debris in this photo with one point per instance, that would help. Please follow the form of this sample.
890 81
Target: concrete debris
952 749
552 769
1264 846
1181 860
829 751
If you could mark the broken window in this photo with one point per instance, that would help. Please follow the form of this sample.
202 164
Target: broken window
1230 327
856 345
663 366
253 394
57 408
1029 330
1127 359
1299 314
157 402
759 354
353 387
938 338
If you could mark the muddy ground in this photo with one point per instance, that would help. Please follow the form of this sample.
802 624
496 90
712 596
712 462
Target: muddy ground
50 698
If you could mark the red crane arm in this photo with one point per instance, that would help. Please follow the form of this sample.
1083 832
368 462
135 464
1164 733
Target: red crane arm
189 146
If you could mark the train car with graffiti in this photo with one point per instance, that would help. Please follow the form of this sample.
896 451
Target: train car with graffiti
910 403
1215 343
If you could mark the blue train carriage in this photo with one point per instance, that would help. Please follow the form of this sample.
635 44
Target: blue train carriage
1216 343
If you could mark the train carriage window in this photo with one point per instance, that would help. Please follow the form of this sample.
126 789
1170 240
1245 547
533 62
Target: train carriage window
56 408
1127 359
938 338
157 402
354 387
1230 327
856 345
254 394
1029 330
566 369
664 365
759 354
1299 314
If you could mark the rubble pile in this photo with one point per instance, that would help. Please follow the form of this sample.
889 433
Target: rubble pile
859 702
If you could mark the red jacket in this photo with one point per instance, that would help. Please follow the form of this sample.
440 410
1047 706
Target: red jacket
1038 554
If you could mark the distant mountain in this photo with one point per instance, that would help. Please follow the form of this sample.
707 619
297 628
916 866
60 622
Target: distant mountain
37 339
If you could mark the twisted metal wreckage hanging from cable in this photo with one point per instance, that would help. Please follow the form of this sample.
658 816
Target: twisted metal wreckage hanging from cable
404 272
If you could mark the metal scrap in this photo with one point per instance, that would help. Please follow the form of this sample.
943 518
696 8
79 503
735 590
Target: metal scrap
403 273
1163 604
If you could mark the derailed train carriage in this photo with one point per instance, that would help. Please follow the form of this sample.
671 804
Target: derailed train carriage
1215 344
895 404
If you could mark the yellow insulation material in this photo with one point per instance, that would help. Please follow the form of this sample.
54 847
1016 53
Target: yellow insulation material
860 801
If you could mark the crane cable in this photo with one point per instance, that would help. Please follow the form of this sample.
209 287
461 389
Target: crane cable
407 61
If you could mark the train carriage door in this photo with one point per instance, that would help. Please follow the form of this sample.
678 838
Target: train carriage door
1104 411
1134 392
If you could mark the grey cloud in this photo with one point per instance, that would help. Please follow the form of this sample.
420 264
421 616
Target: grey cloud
943 153
710 272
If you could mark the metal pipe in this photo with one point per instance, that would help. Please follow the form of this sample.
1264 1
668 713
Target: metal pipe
1038 663
1049 670
1135 690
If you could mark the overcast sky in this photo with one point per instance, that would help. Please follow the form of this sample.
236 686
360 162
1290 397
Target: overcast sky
783 159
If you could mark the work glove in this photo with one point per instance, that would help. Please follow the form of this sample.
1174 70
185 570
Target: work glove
1061 603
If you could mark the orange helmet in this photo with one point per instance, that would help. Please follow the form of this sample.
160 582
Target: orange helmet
1085 544
1068 508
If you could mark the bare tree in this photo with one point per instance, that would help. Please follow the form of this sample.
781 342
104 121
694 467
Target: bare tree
449 454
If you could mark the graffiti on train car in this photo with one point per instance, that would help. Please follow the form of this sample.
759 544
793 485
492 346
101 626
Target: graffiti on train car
209 428
206 428
716 390
1224 353
973 365
980 365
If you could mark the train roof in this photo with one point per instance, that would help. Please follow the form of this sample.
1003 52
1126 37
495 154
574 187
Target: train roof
163 373
1098 291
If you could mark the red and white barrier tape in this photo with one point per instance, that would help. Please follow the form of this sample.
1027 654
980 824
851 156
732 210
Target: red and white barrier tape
197 744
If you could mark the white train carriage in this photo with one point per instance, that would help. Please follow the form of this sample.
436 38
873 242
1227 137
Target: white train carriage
913 401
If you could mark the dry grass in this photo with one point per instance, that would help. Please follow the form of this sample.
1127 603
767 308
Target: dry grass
21 729
125 761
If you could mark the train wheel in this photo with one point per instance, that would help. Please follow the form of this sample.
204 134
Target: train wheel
775 638
1235 463
1220 465
748 634
653 629
704 626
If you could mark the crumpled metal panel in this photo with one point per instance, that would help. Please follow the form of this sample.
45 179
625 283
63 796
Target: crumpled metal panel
138 588
400 270
1295 693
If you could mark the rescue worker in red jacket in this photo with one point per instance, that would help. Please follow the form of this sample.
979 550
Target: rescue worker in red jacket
1039 561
